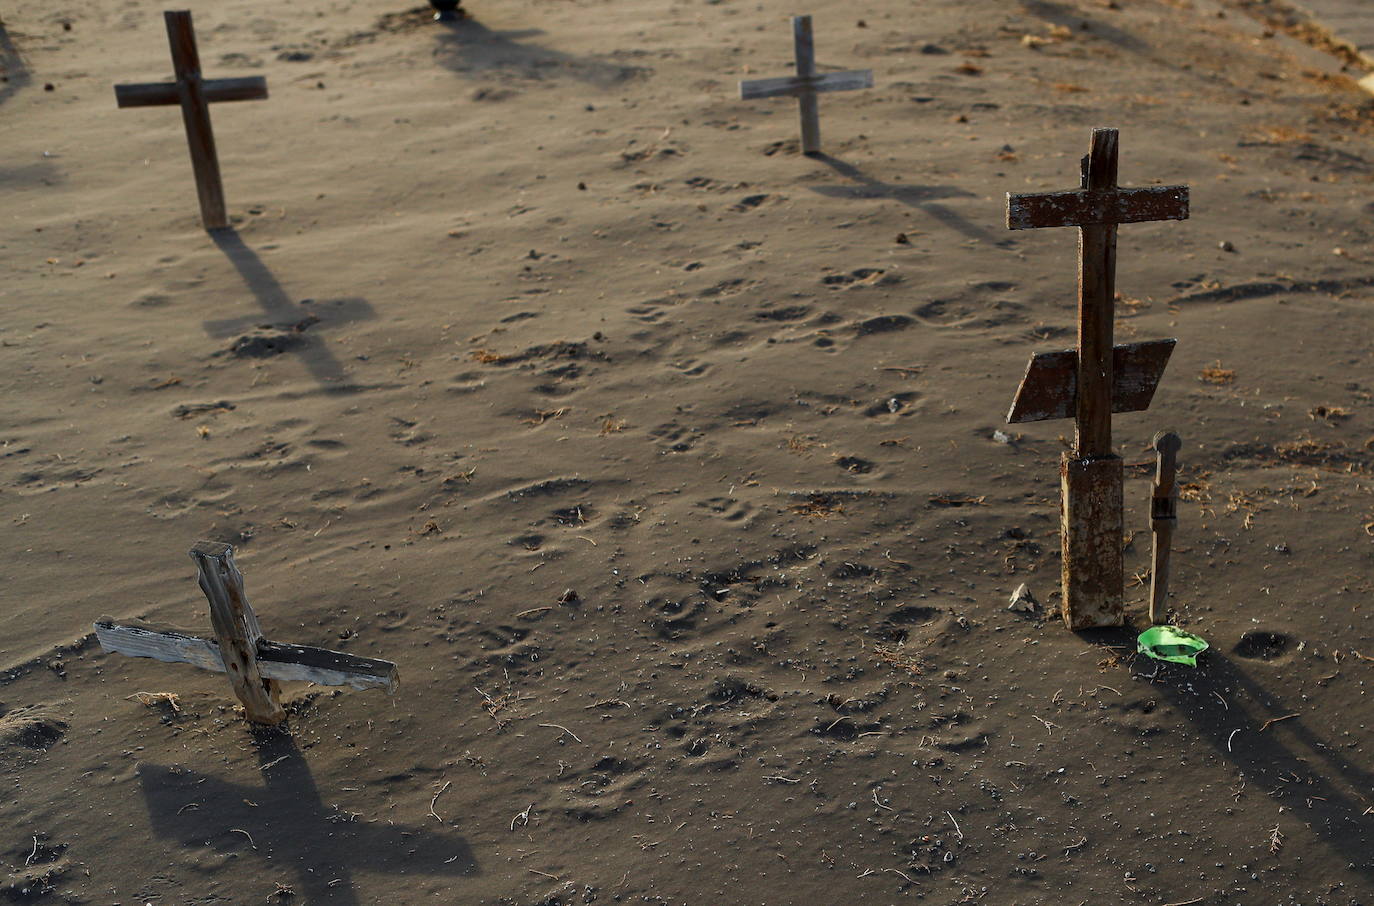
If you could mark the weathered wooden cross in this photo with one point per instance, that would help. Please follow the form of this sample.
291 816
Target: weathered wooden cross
806 84
254 665
1096 379
195 94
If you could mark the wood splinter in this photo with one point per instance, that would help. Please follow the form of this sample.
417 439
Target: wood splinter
1163 518
254 665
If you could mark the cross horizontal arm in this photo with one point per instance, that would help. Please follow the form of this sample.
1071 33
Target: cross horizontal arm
275 660
1050 388
161 94
1080 207
791 86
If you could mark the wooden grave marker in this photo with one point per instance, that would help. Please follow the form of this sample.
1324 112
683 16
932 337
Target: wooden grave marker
1097 378
254 665
806 84
194 94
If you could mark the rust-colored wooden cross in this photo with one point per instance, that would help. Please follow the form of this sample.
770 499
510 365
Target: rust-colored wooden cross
195 95
1096 379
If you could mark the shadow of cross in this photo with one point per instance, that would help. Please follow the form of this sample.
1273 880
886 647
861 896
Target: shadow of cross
253 665
195 94
12 67
1251 727
288 823
806 84
286 323
1097 378
922 197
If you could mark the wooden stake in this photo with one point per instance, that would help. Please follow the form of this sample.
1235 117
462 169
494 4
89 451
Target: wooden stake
194 94
1163 519
237 630
808 105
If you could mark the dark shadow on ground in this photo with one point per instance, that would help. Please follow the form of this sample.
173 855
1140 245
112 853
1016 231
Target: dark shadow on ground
1228 709
287 326
922 197
288 821
12 67
467 46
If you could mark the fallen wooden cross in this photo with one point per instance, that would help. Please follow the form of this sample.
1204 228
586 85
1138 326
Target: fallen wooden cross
806 84
1096 379
195 94
254 664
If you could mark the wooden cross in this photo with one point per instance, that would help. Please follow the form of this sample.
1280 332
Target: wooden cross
806 84
195 94
1096 379
254 665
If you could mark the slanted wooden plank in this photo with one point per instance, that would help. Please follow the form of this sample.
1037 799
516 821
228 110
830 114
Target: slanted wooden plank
276 661
159 94
1050 386
793 86
237 631
1084 208
160 645
328 668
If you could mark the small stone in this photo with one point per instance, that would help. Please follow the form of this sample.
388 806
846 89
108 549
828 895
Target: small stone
1022 601
903 239
1002 437
1226 246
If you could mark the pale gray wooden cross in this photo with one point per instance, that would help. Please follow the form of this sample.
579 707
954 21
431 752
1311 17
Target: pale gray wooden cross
254 664
194 94
806 84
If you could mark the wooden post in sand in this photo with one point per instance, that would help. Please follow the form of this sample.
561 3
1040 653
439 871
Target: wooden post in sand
1163 518
1096 379
254 665
194 94
806 84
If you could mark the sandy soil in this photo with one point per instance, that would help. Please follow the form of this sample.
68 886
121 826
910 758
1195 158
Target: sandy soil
660 457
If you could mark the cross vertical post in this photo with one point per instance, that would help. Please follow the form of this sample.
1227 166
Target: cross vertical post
1097 378
195 113
237 631
1092 514
1096 307
808 105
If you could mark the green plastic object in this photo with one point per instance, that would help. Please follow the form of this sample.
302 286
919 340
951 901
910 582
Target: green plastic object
1166 643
